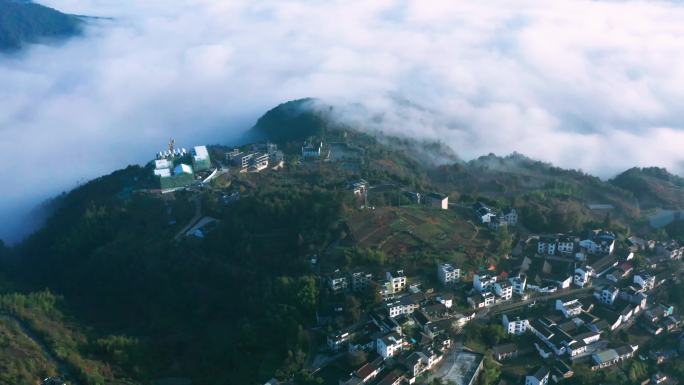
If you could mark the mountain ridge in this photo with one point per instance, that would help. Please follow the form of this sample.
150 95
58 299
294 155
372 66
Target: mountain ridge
24 22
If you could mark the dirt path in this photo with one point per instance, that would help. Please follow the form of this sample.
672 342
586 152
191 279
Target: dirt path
477 230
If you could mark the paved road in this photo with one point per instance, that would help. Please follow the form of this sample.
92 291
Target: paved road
197 200
498 309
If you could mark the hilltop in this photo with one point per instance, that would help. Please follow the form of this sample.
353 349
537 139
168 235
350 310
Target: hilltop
653 187
23 22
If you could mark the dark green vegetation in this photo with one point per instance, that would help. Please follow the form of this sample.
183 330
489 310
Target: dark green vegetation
129 304
653 187
289 121
24 22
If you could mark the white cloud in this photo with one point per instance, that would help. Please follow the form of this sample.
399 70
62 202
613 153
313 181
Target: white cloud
584 84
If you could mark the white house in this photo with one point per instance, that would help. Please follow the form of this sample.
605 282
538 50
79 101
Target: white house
599 242
607 295
519 284
547 245
504 290
438 200
644 279
539 377
482 300
389 344
407 304
484 281
484 213
515 325
566 245
311 150
563 281
397 281
582 276
447 274
570 308
338 281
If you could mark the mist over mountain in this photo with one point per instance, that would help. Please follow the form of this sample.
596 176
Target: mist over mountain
598 94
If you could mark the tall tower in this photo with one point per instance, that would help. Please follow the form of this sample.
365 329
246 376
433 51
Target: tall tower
172 143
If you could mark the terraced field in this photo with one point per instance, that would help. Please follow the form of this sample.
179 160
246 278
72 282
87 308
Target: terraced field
399 230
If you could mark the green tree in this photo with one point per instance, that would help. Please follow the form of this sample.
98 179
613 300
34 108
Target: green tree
504 242
637 371
491 372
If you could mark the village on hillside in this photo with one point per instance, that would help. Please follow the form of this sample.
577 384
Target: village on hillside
558 307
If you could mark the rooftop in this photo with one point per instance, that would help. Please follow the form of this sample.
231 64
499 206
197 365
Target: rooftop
540 373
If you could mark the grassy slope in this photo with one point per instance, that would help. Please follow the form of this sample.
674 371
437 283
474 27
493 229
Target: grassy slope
21 360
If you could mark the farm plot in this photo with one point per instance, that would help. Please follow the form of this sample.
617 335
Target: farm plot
397 230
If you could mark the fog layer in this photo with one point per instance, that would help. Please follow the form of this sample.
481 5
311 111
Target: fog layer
583 84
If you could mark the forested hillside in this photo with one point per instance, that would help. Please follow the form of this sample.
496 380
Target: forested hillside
23 22
653 187
132 299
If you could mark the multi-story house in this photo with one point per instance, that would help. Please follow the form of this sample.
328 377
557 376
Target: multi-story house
565 245
547 245
338 282
389 344
397 281
404 305
519 284
481 300
582 276
599 242
607 295
510 216
484 281
448 274
361 281
515 325
644 279
504 290
570 308
312 150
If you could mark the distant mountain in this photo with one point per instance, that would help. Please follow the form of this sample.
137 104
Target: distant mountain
293 120
653 187
23 22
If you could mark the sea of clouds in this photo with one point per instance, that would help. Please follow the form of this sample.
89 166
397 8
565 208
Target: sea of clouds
595 85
